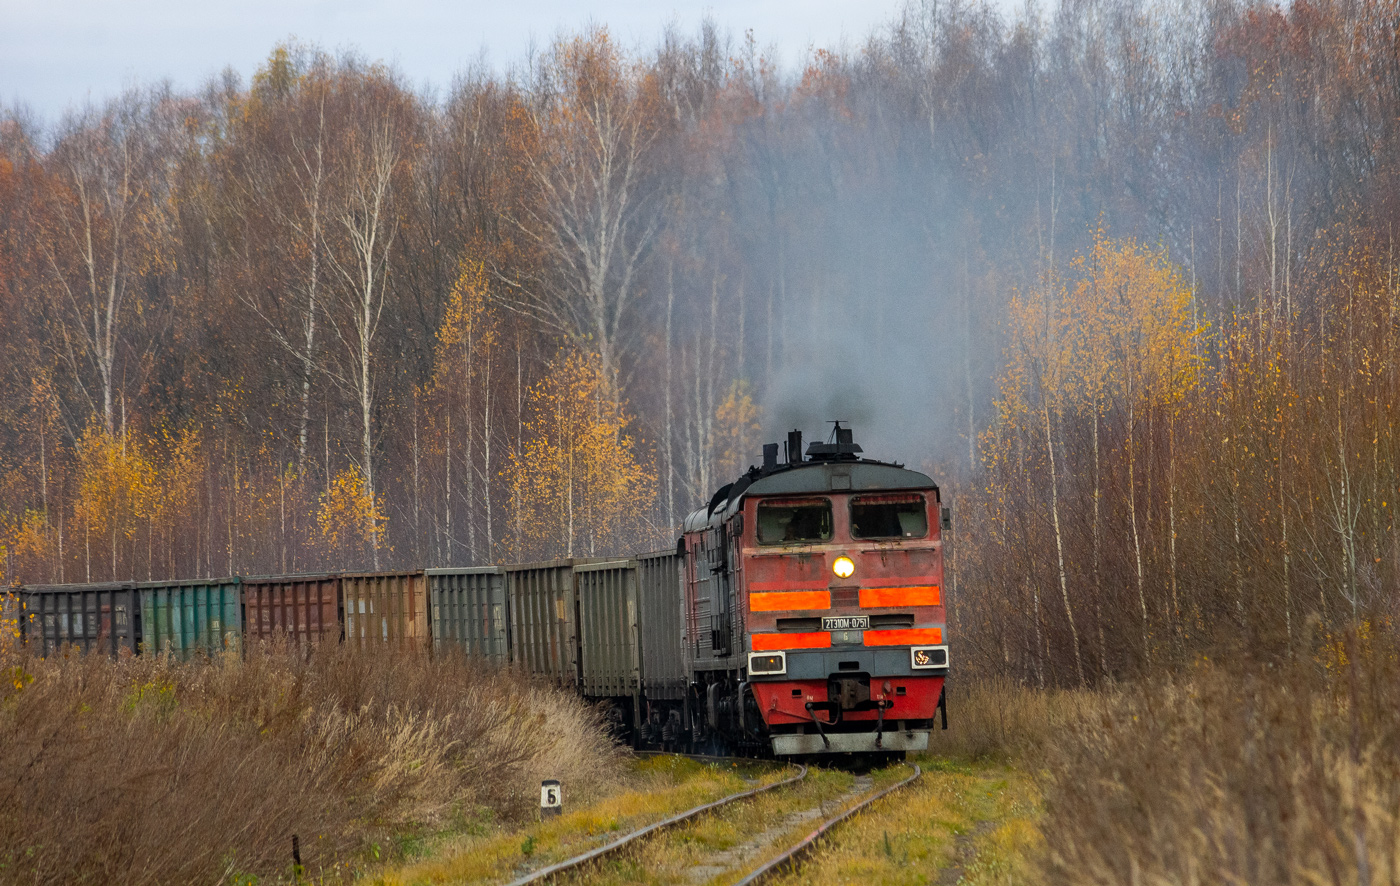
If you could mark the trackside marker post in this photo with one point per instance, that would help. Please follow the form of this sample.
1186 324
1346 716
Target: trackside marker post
551 798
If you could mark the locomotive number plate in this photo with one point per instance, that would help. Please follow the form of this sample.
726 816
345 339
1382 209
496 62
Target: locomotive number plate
845 623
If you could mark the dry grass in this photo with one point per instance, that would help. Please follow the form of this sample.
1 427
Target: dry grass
151 771
999 720
970 823
650 795
1283 775
1225 773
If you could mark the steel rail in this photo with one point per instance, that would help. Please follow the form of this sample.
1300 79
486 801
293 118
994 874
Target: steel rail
593 855
790 857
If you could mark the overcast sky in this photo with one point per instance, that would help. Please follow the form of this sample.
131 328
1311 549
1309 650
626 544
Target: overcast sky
58 54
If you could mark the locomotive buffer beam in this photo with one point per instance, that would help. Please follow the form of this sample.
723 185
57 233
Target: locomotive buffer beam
788 745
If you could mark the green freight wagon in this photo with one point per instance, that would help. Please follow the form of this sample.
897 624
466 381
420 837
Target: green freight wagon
543 611
660 597
192 617
608 642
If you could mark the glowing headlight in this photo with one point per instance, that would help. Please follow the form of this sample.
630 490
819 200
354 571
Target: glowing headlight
767 662
928 657
844 567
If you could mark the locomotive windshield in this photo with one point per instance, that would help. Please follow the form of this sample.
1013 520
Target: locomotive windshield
794 521
889 516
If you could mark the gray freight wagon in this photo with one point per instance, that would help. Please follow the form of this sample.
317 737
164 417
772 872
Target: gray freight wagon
91 617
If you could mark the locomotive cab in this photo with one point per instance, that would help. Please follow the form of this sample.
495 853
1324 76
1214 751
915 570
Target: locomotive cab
833 570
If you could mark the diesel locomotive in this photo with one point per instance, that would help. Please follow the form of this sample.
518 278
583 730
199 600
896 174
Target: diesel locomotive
813 617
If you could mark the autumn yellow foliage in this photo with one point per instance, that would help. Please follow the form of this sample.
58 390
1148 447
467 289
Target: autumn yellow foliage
577 485
738 429
348 512
1120 328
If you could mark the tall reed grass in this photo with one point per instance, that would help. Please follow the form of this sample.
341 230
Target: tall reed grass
999 719
1223 773
147 770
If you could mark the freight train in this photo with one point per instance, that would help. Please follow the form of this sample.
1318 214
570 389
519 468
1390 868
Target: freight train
800 614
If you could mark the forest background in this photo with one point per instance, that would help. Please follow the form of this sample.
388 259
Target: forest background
1121 275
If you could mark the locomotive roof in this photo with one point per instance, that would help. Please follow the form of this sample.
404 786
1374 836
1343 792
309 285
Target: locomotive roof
862 475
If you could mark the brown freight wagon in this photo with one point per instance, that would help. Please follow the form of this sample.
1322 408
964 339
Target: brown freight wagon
385 610
364 610
301 609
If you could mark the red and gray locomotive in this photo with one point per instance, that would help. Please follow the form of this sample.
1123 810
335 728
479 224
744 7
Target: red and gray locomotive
813 613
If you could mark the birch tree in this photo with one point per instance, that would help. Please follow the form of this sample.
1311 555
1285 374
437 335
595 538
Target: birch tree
105 208
597 207
366 227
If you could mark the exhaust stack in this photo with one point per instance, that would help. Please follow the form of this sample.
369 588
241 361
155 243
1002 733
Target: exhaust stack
794 447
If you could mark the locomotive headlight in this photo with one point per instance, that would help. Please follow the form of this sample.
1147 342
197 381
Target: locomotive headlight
767 662
844 567
921 657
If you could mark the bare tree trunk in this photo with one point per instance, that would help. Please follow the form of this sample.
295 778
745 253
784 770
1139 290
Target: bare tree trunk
1098 548
282 512
967 371
308 350
367 439
670 430
519 435
1171 524
1133 519
417 524
370 230
468 355
486 432
447 492
569 493
1060 545
1283 526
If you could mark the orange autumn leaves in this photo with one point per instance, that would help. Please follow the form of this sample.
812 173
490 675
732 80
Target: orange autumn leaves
1097 364
1119 327
577 485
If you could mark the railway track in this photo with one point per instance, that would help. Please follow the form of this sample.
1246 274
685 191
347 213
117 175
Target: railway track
784 862
578 861
791 859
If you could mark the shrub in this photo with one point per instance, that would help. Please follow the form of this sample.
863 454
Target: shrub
147 770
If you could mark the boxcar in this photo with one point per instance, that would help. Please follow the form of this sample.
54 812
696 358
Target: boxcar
659 608
543 609
385 610
609 648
